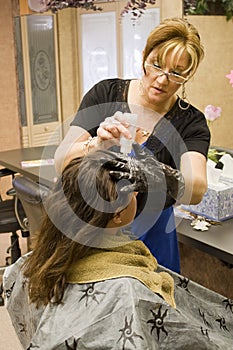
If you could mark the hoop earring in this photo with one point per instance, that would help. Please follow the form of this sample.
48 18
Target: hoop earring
141 88
184 99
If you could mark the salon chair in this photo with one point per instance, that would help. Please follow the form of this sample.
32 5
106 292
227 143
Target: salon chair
31 195
13 220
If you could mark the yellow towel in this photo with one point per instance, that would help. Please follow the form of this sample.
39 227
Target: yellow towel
130 260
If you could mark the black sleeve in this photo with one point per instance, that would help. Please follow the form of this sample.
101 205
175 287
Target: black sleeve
195 133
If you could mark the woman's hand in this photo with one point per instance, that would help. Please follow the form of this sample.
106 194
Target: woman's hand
113 127
145 173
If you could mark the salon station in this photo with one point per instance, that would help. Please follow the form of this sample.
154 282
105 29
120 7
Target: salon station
50 58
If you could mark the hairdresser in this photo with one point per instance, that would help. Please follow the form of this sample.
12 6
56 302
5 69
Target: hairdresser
168 126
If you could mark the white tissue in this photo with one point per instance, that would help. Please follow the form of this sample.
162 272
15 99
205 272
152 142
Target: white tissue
213 174
227 161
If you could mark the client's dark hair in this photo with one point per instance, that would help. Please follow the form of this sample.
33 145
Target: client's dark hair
85 198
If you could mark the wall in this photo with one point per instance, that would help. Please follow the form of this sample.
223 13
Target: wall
9 116
210 85
170 8
69 63
9 120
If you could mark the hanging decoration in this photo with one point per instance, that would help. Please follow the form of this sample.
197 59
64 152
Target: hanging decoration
135 7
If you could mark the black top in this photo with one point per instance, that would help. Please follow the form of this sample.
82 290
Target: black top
177 132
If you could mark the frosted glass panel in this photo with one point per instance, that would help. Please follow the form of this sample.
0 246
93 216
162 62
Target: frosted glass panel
42 68
134 37
99 57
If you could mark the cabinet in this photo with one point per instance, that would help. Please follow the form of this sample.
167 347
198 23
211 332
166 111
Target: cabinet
37 67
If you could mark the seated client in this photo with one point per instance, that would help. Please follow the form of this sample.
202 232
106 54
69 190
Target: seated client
89 284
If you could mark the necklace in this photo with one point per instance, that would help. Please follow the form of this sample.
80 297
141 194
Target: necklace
143 132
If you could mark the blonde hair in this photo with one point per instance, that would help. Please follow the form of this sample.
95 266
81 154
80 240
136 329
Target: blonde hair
175 35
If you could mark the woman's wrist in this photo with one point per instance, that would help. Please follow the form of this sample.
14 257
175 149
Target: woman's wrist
90 144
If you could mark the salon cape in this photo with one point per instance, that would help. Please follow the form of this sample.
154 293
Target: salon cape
120 313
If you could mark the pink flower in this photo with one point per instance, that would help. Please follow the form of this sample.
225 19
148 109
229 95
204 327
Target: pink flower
212 113
230 77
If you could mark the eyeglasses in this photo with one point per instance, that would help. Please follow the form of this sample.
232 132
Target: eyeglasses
158 72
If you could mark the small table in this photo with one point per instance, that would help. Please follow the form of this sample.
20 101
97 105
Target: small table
45 174
217 241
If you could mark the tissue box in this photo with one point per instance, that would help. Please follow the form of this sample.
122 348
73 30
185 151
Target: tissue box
217 203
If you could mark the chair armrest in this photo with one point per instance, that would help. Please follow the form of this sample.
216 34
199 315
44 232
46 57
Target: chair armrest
11 192
6 172
21 215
